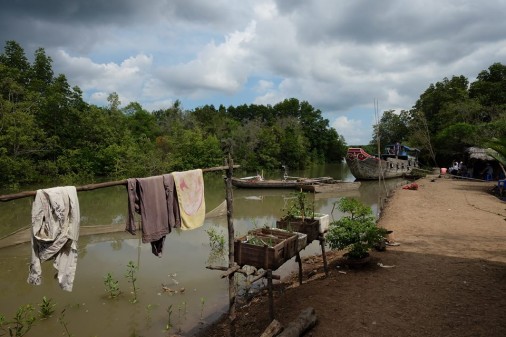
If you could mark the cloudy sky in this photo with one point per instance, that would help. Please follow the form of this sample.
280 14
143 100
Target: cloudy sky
339 55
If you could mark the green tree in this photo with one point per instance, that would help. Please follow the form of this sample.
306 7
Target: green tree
190 150
434 99
41 72
268 148
14 59
453 140
490 86
140 122
170 120
392 128
293 148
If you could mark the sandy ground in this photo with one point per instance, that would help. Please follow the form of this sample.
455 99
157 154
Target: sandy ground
446 278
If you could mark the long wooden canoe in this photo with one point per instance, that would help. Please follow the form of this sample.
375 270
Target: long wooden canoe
250 182
332 186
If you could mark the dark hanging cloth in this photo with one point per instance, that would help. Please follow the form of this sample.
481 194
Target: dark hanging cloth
172 201
155 199
133 205
157 246
153 206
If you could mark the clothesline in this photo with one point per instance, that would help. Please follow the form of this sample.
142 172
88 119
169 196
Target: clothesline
90 187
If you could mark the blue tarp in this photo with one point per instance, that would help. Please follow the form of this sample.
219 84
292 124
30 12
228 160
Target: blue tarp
404 147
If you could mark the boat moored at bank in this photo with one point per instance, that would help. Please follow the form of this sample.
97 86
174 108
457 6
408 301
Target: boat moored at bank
396 161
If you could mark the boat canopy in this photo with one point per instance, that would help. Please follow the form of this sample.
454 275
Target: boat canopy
403 147
410 148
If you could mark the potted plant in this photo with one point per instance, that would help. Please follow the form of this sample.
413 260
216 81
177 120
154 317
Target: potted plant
299 207
300 217
356 232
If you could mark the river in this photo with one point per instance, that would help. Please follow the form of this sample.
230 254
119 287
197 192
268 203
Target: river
197 295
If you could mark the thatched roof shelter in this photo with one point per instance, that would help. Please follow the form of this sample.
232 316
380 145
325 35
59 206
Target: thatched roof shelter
478 153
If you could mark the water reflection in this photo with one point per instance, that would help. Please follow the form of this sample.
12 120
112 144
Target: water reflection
197 293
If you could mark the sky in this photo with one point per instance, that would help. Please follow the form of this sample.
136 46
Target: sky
351 59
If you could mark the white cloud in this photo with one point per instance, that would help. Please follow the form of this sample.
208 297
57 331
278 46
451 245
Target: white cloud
219 67
337 55
264 86
353 130
126 78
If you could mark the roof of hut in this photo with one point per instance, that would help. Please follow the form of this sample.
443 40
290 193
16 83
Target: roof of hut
478 153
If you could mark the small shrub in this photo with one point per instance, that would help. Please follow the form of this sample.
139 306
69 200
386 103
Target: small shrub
111 286
22 322
131 277
46 308
299 206
356 232
216 239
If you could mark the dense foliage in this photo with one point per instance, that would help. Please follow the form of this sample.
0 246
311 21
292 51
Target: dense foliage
451 116
48 132
356 231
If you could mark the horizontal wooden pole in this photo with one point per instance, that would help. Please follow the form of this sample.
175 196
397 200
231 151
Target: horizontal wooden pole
90 187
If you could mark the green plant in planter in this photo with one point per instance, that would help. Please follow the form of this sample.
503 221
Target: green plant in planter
356 232
299 206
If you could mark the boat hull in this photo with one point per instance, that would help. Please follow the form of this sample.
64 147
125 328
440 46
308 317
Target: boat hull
338 186
366 167
261 183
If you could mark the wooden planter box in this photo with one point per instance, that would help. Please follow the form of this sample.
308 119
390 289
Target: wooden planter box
310 227
267 248
323 222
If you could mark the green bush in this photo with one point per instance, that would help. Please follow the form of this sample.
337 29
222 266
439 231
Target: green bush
356 232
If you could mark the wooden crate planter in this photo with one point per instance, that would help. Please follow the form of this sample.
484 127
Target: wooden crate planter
267 248
323 222
310 227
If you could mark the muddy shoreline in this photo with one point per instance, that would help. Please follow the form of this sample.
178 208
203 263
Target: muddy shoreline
447 276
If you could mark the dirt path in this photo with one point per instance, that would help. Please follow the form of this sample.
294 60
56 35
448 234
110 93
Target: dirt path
447 277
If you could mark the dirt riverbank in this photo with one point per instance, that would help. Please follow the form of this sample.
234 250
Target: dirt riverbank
446 278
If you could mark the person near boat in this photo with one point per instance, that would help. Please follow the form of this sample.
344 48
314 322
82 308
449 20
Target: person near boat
454 169
397 149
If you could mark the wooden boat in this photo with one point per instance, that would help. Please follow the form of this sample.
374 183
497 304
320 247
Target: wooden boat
259 182
331 186
389 165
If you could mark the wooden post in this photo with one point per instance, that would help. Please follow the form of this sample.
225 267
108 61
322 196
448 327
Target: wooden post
266 257
231 234
299 260
271 297
324 256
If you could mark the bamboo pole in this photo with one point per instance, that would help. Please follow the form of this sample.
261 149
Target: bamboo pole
90 187
231 235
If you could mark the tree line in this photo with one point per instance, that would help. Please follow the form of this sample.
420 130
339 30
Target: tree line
449 117
49 133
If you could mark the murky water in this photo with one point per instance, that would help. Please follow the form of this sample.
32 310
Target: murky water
196 294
